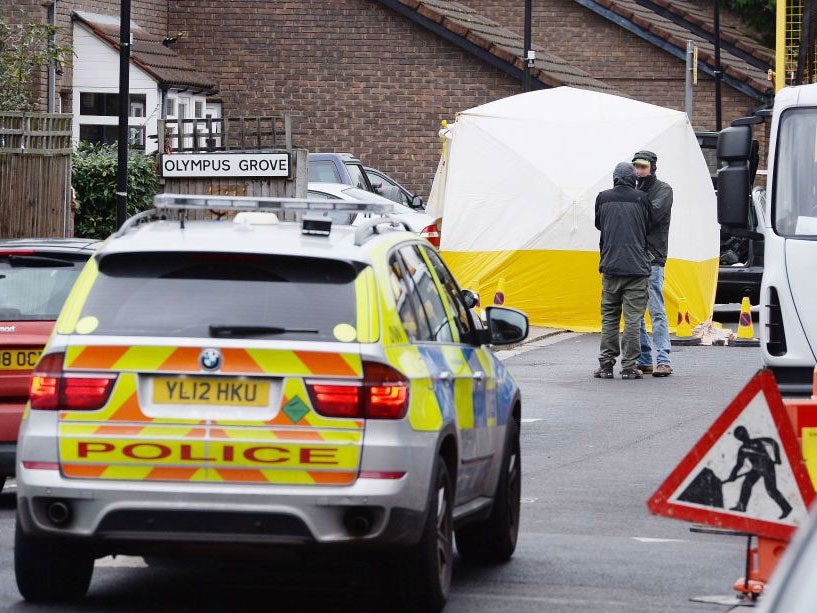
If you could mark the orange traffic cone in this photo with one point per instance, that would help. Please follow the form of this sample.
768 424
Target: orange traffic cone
683 330
746 329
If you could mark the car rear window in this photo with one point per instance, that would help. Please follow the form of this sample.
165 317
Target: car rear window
245 295
323 172
34 286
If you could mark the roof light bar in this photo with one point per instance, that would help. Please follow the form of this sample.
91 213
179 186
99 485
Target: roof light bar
249 203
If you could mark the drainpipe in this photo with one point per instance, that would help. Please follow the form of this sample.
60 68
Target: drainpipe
52 69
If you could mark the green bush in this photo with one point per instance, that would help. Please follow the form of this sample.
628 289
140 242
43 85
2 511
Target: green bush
94 179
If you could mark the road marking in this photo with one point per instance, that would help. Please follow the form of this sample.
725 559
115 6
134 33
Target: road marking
645 539
528 500
530 420
121 562
537 344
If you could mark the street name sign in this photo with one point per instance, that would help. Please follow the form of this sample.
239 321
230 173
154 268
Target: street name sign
746 473
226 165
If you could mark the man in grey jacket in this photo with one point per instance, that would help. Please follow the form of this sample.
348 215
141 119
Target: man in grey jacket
660 195
623 217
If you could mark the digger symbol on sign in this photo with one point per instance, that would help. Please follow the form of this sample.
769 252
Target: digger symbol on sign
762 454
756 451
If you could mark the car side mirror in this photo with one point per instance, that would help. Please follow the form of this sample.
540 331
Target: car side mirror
471 299
506 326
417 202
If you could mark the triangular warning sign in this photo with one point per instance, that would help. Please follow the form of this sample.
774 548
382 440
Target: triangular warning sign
746 473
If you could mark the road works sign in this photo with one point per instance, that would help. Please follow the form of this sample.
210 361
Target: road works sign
746 473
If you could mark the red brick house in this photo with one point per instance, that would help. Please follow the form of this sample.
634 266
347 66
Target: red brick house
375 77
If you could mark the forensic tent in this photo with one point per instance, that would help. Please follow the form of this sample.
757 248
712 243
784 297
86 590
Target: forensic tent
516 190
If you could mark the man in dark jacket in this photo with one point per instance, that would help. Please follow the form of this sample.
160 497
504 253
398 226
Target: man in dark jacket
623 217
660 195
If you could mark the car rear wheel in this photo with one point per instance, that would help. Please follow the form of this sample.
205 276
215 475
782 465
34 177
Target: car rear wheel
429 571
493 540
50 571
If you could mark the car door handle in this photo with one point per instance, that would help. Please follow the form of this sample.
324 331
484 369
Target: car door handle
446 376
478 376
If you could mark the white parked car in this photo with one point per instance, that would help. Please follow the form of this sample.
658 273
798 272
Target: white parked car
418 221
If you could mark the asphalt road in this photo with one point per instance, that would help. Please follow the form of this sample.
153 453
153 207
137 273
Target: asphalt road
593 452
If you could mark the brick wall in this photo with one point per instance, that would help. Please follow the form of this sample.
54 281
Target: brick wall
366 79
150 14
616 56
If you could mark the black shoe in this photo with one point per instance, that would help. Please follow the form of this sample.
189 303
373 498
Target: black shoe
631 373
738 508
785 513
603 372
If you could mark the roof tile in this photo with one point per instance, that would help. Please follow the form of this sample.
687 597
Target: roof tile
504 44
149 53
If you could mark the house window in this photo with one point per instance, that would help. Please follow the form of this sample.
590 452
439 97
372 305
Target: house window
170 107
199 108
107 105
106 135
109 135
182 110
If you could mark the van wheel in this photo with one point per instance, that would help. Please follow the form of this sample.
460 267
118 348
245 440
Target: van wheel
50 571
429 576
493 540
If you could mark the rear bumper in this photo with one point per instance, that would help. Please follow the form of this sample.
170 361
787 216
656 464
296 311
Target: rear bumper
10 416
128 516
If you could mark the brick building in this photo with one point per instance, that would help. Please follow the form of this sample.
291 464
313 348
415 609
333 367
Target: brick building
375 77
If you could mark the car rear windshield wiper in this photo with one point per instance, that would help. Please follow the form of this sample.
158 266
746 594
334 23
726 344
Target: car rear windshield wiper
37 261
227 331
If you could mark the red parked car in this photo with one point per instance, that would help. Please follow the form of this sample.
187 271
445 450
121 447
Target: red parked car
36 276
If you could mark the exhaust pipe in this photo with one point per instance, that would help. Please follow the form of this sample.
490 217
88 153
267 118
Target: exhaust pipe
59 513
358 521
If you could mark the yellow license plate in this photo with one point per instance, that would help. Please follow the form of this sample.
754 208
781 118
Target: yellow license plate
223 392
14 359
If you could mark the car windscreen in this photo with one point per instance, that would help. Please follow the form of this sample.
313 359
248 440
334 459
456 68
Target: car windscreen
222 295
795 176
358 177
34 285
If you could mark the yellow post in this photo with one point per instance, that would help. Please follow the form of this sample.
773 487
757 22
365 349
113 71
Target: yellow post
780 46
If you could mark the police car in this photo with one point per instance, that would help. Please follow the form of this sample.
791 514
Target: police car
268 382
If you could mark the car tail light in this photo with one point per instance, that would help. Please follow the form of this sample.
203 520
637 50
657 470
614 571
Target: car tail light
51 388
383 394
336 400
431 234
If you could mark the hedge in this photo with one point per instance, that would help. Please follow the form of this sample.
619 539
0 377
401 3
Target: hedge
94 179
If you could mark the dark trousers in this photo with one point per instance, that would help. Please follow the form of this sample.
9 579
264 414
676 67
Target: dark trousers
770 481
627 294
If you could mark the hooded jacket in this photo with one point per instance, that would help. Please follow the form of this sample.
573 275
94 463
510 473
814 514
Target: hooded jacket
623 217
660 195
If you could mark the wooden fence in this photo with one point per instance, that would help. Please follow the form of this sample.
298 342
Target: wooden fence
266 133
35 175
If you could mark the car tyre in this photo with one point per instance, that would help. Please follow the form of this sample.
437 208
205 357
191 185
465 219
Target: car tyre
493 540
50 571
427 578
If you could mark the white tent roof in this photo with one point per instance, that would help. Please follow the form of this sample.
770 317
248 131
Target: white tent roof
523 172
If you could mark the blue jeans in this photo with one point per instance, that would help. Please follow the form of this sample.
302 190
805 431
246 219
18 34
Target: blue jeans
660 330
